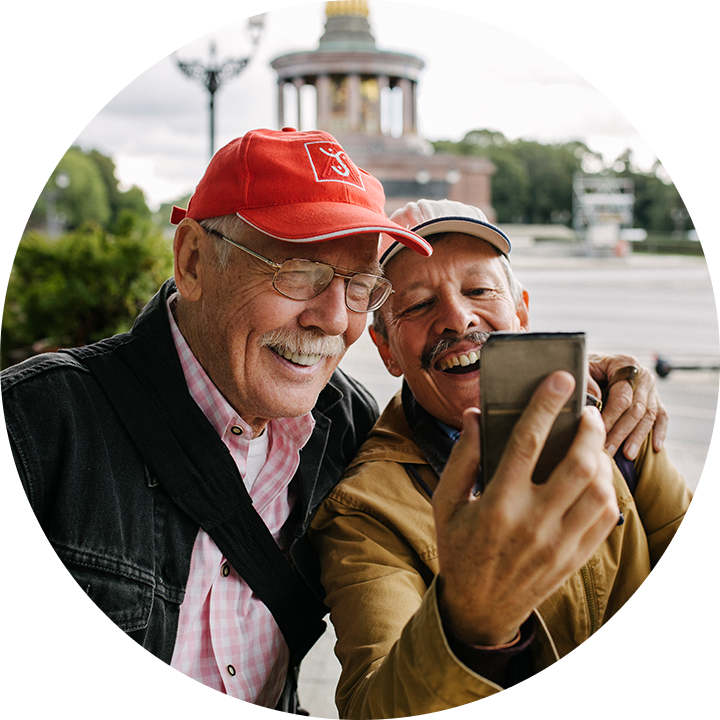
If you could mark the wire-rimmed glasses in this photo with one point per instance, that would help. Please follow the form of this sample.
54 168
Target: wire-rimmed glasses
301 279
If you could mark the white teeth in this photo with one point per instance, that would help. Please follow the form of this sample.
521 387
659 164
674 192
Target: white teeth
470 359
300 359
307 359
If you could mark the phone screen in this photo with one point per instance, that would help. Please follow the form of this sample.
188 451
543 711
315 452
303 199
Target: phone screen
512 365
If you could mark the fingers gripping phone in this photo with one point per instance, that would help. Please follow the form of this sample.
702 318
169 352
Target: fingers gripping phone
512 365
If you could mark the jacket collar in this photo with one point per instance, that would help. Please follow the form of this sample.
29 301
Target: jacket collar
434 443
152 327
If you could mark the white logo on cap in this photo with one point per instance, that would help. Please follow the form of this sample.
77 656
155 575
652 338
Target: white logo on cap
344 170
331 163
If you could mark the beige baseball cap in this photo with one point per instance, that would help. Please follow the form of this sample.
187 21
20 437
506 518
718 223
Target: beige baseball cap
428 217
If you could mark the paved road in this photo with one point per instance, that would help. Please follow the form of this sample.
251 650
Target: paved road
643 305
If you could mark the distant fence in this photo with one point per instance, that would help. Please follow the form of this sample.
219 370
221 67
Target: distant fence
667 244
529 236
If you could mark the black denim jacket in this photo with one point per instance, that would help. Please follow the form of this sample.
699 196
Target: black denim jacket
120 535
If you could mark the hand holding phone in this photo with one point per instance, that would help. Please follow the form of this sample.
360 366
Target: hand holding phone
512 365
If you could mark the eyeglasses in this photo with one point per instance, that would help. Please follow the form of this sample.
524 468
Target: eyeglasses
300 279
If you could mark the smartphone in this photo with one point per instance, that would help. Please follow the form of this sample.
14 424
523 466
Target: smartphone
512 365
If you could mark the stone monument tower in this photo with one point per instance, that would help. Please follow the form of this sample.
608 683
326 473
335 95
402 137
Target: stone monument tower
367 99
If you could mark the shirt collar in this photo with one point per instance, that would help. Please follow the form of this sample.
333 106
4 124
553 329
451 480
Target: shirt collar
451 432
434 438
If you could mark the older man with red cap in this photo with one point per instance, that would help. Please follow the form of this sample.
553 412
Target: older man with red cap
176 467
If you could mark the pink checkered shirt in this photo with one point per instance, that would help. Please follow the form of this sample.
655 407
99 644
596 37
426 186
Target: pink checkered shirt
227 638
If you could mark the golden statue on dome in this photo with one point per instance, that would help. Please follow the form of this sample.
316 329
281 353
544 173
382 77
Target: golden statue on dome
367 98
358 8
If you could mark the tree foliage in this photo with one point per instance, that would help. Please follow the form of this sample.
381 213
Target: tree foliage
658 205
121 203
82 287
83 188
533 181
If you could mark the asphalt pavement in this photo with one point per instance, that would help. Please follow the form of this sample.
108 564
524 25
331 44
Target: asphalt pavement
644 305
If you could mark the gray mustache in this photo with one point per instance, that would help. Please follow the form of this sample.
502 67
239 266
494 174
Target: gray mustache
304 343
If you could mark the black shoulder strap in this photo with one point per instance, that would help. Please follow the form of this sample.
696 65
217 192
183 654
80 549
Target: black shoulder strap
194 467
411 470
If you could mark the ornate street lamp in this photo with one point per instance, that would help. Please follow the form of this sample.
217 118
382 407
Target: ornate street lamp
55 220
214 74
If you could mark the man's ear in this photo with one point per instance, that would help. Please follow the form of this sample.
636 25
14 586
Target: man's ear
523 311
189 237
383 347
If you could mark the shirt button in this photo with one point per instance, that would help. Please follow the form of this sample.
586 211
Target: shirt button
236 430
231 670
225 570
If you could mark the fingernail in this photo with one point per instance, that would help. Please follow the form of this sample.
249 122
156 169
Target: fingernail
561 382
611 450
631 452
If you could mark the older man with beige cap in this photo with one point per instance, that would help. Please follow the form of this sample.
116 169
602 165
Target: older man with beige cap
440 596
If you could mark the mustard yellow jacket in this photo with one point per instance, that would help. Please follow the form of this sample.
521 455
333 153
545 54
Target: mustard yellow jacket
376 539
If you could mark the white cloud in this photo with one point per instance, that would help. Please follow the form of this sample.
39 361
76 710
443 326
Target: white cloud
627 73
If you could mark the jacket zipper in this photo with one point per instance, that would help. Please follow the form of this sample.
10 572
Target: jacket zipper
592 607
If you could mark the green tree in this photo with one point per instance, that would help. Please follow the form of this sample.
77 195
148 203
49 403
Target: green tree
511 181
659 208
120 202
83 187
652 206
75 192
549 170
533 182
86 285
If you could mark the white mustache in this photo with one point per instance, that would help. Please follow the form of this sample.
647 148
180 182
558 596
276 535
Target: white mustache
304 343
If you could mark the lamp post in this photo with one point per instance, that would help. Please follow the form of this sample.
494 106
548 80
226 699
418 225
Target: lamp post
680 216
214 74
55 220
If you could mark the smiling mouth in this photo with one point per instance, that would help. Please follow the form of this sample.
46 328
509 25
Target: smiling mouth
296 358
303 348
460 364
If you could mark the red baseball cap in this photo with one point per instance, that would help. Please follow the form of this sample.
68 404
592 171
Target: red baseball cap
294 186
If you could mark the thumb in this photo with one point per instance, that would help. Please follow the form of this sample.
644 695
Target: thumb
460 473
528 437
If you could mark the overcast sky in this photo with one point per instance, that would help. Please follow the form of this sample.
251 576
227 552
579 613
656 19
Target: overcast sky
617 74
